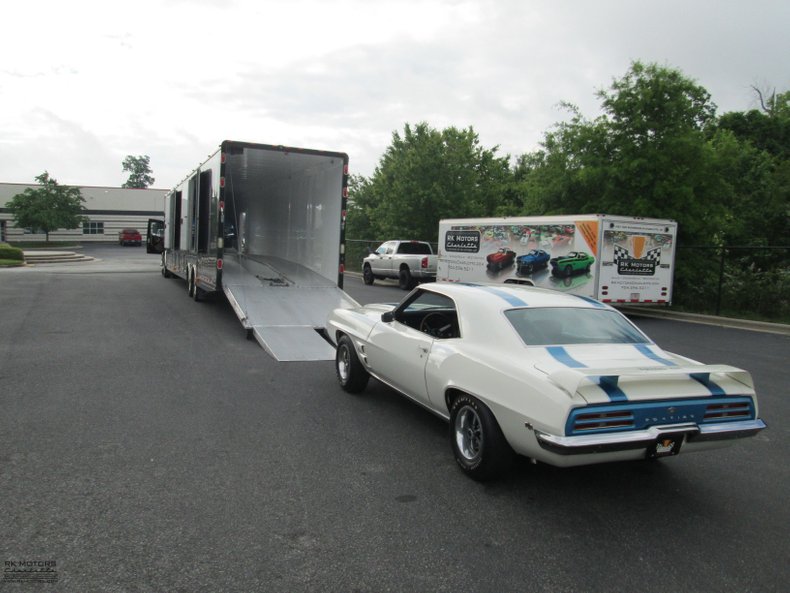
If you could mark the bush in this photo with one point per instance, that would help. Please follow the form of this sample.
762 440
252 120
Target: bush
12 253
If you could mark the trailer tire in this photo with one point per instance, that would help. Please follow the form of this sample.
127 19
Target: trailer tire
367 275
405 281
194 290
190 282
353 377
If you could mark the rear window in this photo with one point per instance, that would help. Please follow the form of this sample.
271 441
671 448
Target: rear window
564 325
414 248
130 231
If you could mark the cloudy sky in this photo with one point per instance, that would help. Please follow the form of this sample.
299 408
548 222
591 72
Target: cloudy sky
84 83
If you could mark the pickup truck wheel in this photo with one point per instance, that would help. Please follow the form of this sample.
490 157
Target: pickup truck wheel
367 275
405 281
351 374
479 447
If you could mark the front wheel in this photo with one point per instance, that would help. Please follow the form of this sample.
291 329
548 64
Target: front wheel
479 447
367 275
353 377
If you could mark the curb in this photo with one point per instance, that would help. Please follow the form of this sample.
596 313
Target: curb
731 322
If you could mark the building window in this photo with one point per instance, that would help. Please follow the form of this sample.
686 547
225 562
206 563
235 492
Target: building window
92 228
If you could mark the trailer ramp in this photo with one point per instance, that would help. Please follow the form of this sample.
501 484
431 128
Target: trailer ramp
283 304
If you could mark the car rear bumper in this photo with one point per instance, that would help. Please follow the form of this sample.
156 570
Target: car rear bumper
642 439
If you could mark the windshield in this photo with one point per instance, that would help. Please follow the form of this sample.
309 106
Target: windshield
563 325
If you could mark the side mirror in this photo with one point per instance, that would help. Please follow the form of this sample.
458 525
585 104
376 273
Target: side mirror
387 317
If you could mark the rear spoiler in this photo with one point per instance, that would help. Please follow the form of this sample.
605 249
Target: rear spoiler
572 379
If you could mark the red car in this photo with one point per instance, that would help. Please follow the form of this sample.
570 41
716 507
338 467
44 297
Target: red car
501 259
130 237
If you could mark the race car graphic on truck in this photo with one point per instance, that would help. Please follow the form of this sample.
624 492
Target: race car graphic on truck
616 259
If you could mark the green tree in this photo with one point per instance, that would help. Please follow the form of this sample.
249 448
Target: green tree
647 155
48 207
426 175
139 171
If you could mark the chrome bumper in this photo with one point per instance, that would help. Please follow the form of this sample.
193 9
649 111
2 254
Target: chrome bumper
641 439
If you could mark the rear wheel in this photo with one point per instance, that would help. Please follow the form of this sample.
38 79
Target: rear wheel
190 282
479 446
405 281
351 374
367 275
197 292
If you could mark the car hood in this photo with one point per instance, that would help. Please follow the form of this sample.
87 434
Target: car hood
603 373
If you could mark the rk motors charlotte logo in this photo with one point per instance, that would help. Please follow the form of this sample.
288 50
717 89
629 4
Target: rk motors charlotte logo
30 571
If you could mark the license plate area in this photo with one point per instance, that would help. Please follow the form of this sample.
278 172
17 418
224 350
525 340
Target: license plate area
665 446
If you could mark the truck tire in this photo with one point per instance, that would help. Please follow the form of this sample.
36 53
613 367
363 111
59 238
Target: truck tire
190 285
367 275
405 281
353 377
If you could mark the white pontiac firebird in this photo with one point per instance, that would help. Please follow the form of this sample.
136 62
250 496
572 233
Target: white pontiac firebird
558 378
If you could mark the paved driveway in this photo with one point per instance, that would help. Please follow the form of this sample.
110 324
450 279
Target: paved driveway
146 445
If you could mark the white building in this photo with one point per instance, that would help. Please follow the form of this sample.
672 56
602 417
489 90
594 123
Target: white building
108 209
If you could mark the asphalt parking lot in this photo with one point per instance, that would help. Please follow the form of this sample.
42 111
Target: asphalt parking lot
146 445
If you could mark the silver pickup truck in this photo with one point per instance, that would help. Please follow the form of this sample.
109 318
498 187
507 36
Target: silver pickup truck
408 261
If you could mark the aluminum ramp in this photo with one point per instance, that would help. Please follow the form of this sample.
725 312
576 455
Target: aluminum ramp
282 304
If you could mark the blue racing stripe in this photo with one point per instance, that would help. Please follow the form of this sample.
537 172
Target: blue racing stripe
511 299
704 378
560 354
609 385
644 349
592 301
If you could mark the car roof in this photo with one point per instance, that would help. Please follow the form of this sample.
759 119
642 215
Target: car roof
501 297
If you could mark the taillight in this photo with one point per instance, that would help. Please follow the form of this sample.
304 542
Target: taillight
219 264
424 262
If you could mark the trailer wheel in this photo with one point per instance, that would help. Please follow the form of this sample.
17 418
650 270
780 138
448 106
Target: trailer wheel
405 281
367 275
195 291
190 282
353 377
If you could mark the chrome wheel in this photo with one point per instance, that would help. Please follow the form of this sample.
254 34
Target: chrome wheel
343 363
468 433
351 374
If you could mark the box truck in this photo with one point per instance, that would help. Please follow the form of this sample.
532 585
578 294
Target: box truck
265 225
615 259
